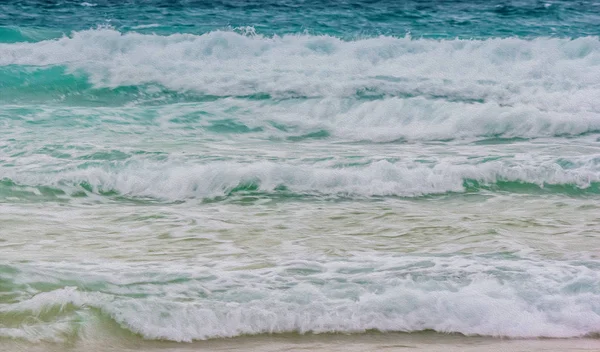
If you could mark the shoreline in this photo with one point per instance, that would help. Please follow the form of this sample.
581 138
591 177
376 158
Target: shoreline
371 341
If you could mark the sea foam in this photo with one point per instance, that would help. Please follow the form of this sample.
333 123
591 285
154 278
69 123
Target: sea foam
180 181
545 73
520 298
377 89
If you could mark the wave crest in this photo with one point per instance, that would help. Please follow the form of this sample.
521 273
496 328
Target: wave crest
167 181
520 298
546 73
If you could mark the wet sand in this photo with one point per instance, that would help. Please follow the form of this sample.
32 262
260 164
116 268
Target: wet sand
327 343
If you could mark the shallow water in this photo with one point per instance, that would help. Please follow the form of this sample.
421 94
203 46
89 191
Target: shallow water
258 173
426 341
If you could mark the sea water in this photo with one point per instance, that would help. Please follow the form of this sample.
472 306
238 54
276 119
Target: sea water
193 170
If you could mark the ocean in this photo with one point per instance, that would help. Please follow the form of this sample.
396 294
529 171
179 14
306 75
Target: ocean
270 175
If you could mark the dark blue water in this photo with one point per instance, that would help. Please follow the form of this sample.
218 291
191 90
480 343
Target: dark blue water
32 20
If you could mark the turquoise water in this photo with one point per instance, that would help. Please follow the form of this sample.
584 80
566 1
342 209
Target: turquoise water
36 20
207 169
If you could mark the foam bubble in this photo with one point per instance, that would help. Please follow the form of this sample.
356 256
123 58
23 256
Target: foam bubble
172 180
345 119
549 74
377 89
473 296
423 119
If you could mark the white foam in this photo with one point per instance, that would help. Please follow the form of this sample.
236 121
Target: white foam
469 295
426 89
178 180
421 119
47 300
144 26
346 119
548 74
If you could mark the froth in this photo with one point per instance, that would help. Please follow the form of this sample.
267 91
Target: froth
175 181
426 119
472 296
548 74
336 118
